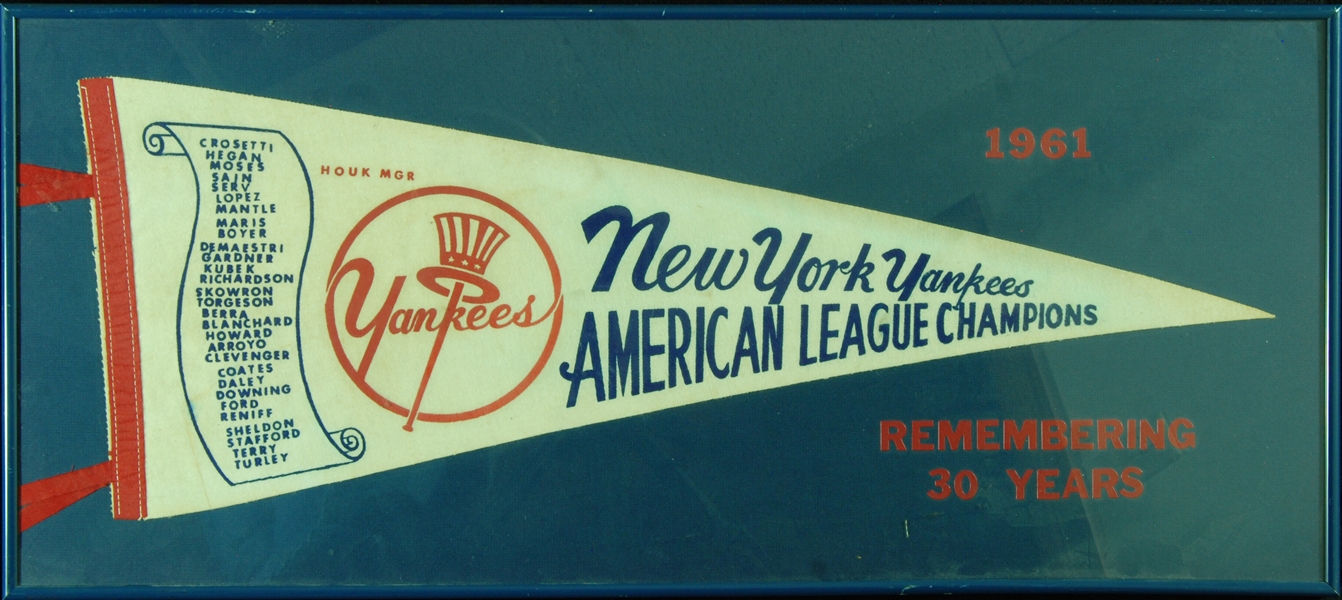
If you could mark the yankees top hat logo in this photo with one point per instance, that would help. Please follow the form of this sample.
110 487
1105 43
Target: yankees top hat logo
467 242
432 289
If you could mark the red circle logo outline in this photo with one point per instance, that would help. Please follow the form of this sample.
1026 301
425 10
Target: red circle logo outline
556 309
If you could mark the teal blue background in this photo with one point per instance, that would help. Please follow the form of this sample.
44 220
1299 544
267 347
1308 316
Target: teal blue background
1207 172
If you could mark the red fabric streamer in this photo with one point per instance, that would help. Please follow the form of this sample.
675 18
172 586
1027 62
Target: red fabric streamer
42 185
45 497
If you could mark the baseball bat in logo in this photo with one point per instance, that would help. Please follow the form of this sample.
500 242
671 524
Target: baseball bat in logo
464 279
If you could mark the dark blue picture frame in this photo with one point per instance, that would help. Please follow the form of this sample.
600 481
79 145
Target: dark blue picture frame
11 14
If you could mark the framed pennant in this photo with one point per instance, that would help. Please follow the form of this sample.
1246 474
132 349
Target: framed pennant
698 300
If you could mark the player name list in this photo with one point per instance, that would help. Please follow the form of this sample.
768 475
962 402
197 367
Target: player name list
242 285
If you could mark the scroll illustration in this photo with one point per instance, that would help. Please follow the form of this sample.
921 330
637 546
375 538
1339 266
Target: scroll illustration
238 321
294 296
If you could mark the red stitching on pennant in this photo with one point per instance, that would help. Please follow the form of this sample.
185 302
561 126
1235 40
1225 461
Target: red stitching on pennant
120 315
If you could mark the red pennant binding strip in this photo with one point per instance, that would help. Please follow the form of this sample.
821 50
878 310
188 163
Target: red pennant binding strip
42 185
116 272
45 497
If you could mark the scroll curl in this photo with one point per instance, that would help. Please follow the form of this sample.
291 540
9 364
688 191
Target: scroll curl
350 441
161 141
